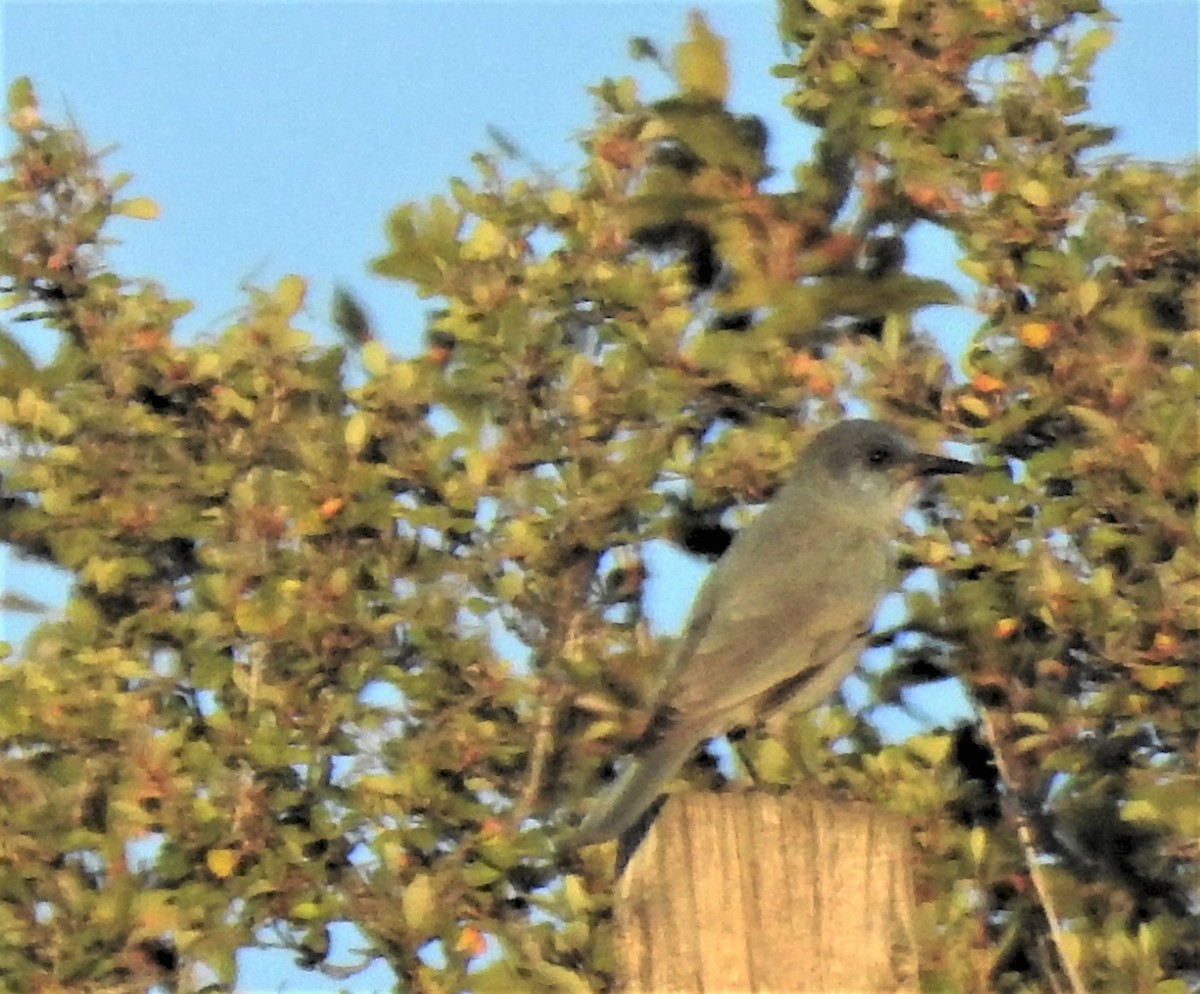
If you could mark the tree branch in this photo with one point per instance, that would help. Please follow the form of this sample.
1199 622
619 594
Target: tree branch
1025 837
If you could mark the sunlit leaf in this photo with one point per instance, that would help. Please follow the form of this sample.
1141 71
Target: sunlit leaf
700 62
142 208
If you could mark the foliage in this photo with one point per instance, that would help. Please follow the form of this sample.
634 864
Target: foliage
360 653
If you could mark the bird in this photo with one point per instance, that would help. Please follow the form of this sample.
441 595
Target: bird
782 617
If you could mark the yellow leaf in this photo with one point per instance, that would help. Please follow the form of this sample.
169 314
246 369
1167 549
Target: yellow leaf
938 553
418 904
208 366
142 208
1035 192
1032 719
975 269
771 762
356 431
1035 334
581 405
577 894
700 67
220 862
933 749
485 242
520 538
289 293
374 358
1159 677
382 784
155 913
509 585
1094 421
1140 810
1071 945
973 405
30 406
404 375
21 95
560 201
890 18
978 842
1089 296
251 618
478 465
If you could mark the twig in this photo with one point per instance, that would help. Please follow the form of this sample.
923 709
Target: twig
540 750
1025 837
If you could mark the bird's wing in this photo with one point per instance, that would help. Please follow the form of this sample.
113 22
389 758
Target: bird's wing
775 621
787 621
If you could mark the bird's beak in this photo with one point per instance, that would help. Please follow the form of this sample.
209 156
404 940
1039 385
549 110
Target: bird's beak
927 464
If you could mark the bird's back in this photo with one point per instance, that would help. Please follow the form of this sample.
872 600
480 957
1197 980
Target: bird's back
779 603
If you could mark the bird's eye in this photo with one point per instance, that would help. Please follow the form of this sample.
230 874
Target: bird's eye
879 456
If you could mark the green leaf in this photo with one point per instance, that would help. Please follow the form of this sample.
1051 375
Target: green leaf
932 748
770 762
700 67
349 316
804 308
17 369
711 132
500 977
21 95
478 874
423 238
1088 47
554 979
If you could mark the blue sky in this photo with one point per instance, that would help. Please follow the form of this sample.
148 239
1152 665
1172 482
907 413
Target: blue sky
276 136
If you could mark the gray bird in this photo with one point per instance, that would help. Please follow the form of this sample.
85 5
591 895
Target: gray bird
782 617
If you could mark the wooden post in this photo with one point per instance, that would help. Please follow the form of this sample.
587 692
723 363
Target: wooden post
747 892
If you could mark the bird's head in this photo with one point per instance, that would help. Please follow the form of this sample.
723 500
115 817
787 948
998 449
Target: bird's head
871 466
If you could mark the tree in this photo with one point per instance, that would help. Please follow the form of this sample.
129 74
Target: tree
351 637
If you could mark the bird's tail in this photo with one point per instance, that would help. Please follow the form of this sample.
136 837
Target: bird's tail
619 808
